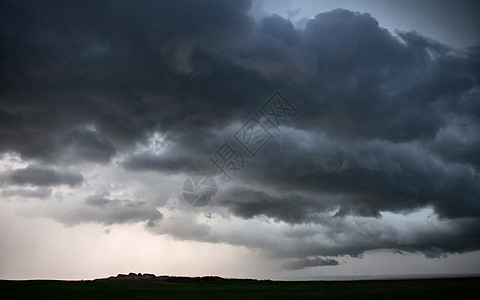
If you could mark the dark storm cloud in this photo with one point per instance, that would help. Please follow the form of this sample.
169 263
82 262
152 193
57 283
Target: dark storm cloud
168 164
402 87
387 123
42 176
331 237
313 262
433 241
370 177
124 68
185 151
129 69
292 208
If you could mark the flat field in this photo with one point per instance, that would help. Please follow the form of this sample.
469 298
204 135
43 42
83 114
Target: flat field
185 288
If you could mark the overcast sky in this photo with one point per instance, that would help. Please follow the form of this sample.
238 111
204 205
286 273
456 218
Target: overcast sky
348 133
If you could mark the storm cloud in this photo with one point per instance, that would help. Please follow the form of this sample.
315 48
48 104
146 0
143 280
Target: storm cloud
42 176
388 123
313 262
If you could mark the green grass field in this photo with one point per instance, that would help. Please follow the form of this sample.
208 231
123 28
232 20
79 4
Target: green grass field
459 288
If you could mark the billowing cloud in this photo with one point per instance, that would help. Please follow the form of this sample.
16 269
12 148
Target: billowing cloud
387 124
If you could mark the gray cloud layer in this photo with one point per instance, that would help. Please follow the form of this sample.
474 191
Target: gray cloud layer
314 262
42 176
40 193
387 123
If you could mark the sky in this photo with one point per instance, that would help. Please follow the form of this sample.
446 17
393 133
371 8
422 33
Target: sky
265 139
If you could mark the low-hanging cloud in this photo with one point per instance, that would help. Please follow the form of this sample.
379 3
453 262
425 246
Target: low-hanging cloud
310 262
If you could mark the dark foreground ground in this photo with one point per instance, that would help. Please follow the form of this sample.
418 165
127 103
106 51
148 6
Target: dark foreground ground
165 287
